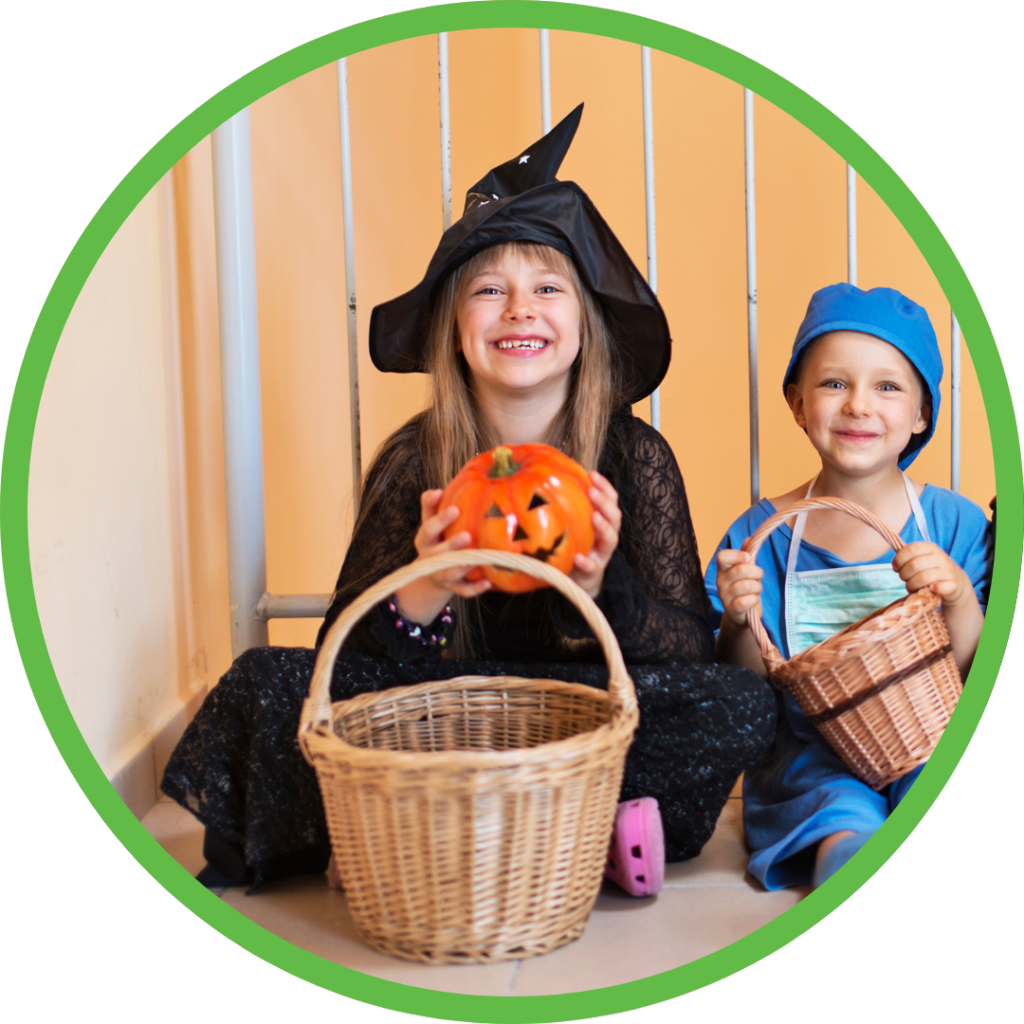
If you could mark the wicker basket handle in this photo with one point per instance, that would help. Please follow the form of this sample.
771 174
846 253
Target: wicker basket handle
773 658
317 709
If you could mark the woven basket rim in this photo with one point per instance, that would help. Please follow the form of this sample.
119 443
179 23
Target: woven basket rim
855 639
518 757
316 709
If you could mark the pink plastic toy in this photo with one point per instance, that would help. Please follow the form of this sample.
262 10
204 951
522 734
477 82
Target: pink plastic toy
636 858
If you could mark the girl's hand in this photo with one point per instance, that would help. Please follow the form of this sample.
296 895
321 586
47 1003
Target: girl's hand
422 600
739 585
588 570
923 564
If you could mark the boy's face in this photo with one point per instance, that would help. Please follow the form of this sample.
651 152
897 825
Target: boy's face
860 401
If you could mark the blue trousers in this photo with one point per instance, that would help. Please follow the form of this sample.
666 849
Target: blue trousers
801 793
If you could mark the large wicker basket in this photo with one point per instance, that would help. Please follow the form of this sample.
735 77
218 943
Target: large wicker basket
881 691
470 819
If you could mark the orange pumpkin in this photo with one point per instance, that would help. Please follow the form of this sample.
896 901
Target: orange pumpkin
527 498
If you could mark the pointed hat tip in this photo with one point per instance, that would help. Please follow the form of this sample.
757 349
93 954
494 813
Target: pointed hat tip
536 165
573 118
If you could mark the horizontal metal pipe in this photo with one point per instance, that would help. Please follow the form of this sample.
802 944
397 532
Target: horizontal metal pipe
292 606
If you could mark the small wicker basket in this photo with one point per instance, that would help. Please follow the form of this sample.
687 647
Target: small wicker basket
881 691
470 819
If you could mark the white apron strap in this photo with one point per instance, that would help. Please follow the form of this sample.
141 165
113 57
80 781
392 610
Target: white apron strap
915 504
801 521
798 534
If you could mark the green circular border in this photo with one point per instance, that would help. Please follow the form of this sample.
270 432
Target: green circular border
138 182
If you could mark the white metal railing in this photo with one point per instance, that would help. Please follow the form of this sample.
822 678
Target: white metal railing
652 239
446 131
545 81
851 225
240 380
350 288
251 605
751 220
954 403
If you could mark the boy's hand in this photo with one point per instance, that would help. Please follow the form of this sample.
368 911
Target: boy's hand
923 564
739 585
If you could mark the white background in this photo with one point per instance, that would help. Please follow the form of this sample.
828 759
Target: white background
88 88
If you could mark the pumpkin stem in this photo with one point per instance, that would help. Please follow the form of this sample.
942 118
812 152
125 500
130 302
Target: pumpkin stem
503 464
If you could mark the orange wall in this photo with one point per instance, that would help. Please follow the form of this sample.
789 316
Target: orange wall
698 143
801 245
887 256
300 271
493 116
495 113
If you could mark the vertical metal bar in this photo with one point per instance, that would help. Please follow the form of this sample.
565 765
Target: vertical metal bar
748 163
240 380
851 225
350 287
652 241
446 152
545 81
954 402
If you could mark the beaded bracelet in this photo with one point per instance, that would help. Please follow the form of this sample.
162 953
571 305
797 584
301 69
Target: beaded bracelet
416 632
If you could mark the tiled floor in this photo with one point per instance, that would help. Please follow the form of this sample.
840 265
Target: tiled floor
707 903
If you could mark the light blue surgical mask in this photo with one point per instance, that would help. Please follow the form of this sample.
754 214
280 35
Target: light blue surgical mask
821 602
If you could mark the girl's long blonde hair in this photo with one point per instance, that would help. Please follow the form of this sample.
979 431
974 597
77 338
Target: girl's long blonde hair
453 429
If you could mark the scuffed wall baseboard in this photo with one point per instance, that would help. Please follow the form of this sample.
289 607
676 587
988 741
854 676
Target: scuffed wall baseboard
137 782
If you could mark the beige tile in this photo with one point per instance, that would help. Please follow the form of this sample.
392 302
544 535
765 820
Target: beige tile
628 938
178 832
723 861
707 903
316 918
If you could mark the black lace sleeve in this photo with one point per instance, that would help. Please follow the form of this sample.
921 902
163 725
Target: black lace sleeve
381 543
653 593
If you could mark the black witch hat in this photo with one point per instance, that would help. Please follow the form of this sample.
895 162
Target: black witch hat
523 201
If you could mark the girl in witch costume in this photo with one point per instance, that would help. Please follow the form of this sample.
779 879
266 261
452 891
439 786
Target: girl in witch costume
534 325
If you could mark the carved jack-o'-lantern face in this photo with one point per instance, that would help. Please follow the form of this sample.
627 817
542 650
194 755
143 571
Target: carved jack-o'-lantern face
526 498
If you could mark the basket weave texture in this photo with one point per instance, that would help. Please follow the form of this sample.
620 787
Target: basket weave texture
470 818
881 691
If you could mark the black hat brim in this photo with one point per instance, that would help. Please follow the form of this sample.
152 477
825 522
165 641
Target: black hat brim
558 214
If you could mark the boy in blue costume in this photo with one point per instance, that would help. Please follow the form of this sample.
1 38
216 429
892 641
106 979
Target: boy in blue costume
863 383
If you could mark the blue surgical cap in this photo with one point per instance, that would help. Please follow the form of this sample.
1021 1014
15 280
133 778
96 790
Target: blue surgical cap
886 314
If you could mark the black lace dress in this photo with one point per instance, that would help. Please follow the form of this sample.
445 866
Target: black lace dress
239 769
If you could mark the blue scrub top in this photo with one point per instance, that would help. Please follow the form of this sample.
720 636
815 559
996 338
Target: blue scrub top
955 523
802 791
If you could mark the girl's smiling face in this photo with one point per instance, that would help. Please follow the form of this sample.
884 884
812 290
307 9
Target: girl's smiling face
860 401
519 327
